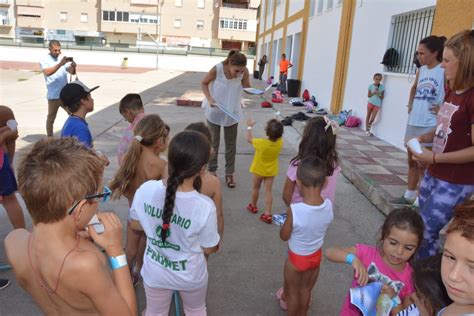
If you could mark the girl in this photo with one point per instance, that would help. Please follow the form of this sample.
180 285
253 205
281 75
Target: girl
181 226
265 164
375 95
401 234
319 139
222 87
426 95
141 163
449 180
457 263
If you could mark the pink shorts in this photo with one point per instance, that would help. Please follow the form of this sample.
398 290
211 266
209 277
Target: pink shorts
304 263
372 107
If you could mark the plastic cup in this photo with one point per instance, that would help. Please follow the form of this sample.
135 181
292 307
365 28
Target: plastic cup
414 145
12 124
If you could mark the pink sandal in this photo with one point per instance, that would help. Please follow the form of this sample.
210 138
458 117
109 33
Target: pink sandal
252 208
282 302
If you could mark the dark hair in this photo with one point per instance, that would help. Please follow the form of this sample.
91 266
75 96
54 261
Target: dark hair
274 129
377 74
462 46
188 153
463 220
54 43
316 141
429 285
311 172
131 101
283 55
404 219
235 58
201 128
435 44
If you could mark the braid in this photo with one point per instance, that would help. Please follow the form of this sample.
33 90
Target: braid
171 188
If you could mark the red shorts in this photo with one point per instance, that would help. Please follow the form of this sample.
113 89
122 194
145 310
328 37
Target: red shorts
303 263
372 107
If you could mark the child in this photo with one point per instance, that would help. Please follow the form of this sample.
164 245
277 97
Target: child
180 225
430 296
211 185
319 139
457 263
265 164
401 234
131 108
61 183
305 227
375 95
76 97
141 163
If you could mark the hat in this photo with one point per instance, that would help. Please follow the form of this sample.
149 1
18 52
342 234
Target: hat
73 92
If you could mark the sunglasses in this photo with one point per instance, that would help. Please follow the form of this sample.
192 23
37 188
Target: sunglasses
99 198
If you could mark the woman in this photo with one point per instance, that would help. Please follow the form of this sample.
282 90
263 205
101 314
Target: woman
449 180
222 87
261 66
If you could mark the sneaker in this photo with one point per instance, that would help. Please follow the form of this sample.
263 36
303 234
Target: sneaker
4 283
402 201
416 203
266 218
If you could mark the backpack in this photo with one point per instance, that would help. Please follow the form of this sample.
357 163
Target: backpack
390 58
277 97
266 104
353 121
306 96
343 115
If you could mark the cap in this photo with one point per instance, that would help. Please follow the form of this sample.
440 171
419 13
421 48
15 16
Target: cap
73 92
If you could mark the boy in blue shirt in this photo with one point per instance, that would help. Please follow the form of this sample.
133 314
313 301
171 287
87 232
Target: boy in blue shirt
76 97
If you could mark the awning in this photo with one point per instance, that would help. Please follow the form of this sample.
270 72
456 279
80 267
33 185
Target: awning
29 10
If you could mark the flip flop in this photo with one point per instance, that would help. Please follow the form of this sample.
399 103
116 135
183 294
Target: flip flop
229 180
282 302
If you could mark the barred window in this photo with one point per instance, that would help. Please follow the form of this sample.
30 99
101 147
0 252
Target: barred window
407 31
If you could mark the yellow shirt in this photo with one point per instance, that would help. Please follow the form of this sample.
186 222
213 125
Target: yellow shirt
265 160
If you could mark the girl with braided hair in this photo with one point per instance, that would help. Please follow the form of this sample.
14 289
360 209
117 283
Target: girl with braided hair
181 227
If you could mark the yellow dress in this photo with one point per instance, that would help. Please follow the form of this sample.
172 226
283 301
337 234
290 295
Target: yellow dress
265 160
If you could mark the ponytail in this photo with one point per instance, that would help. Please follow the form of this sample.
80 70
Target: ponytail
235 58
435 44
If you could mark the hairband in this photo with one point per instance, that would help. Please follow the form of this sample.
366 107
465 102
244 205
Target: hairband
330 123
138 138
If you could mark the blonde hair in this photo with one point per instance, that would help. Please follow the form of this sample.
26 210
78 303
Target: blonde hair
147 132
55 174
462 46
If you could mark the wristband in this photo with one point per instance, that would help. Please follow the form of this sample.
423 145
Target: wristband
117 262
395 301
350 258
249 128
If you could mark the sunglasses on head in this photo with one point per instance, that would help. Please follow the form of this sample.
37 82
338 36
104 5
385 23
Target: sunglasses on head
99 198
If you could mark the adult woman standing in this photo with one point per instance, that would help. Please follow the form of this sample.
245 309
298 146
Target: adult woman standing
222 87
450 177
261 66
426 95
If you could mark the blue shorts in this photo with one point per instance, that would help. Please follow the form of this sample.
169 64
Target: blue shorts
7 178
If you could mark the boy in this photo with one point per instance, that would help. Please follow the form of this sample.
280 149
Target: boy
76 97
284 66
131 108
60 181
305 227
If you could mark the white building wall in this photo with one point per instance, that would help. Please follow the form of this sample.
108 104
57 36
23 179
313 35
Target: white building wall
370 36
280 11
320 55
269 24
295 6
291 31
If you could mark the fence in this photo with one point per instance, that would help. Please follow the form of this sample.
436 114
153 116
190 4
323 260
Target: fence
407 30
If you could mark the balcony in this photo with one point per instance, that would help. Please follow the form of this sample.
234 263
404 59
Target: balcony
236 24
5 3
33 3
5 22
29 21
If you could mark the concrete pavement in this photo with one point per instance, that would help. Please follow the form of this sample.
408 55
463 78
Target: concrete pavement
245 275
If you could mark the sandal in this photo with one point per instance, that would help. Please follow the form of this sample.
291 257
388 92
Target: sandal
252 208
282 302
229 180
266 218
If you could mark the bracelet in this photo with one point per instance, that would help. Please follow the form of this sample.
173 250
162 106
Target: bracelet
117 262
395 301
434 160
249 128
350 258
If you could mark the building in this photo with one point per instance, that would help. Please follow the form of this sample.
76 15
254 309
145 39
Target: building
7 19
337 45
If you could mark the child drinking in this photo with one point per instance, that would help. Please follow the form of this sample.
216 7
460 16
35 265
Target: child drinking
375 95
180 225
265 164
319 139
131 108
401 235
457 264
305 227
141 163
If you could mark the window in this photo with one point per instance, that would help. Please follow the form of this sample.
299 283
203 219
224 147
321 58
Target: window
233 24
339 2
311 7
63 16
119 16
125 16
111 15
200 24
178 3
84 17
320 6
177 23
105 15
201 4
330 4
406 31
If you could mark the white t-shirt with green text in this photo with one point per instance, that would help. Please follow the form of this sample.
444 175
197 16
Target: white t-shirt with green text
179 263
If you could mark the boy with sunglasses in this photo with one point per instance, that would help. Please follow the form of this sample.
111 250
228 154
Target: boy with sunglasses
60 181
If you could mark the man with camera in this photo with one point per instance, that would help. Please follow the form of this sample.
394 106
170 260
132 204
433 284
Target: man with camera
55 72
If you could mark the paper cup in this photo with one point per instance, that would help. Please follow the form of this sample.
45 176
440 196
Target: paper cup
12 124
414 145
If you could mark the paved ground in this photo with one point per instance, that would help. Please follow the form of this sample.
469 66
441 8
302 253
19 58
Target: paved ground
245 275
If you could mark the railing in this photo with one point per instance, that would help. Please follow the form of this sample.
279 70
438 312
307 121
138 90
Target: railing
407 30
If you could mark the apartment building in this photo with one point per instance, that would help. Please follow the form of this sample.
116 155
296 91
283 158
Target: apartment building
7 19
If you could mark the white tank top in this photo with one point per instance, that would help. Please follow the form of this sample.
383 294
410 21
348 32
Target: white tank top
228 94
